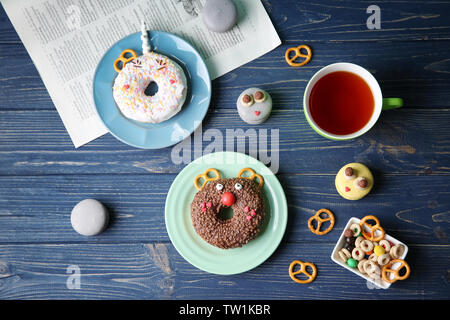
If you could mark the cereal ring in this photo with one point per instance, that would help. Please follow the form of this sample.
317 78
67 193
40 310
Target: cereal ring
366 245
344 254
302 270
358 241
371 267
320 220
365 265
383 259
358 254
388 270
397 251
386 245
356 229
361 265
373 257
370 235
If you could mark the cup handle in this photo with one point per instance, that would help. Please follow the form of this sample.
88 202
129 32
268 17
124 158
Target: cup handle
392 103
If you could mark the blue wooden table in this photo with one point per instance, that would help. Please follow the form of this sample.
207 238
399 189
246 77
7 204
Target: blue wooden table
42 176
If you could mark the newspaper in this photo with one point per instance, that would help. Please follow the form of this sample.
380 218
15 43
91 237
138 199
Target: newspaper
67 38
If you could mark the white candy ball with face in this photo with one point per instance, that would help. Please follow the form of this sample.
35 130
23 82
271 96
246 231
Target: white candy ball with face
254 105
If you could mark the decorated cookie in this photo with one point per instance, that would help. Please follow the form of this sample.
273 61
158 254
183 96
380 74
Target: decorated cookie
254 105
219 15
354 181
241 194
89 217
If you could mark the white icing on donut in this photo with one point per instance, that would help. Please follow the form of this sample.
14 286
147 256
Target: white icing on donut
131 83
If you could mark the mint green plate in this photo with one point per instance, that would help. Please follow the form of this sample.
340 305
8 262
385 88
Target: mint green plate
200 253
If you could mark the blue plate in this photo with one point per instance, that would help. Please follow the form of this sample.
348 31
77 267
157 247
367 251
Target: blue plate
177 128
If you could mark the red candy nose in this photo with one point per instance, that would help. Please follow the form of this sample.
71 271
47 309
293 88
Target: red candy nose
228 199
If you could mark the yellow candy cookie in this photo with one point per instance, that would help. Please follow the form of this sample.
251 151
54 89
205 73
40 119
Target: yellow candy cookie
354 181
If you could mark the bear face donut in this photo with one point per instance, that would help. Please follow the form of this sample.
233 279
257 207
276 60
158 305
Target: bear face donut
354 181
243 195
137 74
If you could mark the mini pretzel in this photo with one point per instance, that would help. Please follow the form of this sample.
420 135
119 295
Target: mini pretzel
321 220
370 235
252 177
298 54
302 270
387 270
122 58
206 178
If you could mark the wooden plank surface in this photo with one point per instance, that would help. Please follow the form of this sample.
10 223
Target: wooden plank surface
422 77
156 271
415 209
42 176
28 147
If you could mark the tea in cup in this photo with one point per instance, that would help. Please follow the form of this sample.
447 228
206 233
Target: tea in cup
343 101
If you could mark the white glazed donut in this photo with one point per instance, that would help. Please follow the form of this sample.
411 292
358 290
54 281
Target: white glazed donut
134 78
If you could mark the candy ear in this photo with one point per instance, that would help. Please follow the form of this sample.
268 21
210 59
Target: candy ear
206 178
253 176
124 59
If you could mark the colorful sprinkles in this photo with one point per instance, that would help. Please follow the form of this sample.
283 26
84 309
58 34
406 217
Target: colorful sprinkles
131 83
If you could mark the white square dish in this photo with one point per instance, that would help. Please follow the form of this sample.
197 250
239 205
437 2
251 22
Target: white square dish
340 244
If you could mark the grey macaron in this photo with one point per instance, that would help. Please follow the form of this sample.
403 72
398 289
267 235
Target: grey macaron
254 105
219 15
89 217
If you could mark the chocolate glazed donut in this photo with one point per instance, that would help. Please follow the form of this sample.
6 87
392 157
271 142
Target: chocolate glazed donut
243 196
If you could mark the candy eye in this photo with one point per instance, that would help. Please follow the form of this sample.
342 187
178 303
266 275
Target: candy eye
349 173
247 100
259 96
238 186
219 186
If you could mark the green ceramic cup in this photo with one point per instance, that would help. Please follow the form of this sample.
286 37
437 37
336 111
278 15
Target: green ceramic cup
380 102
